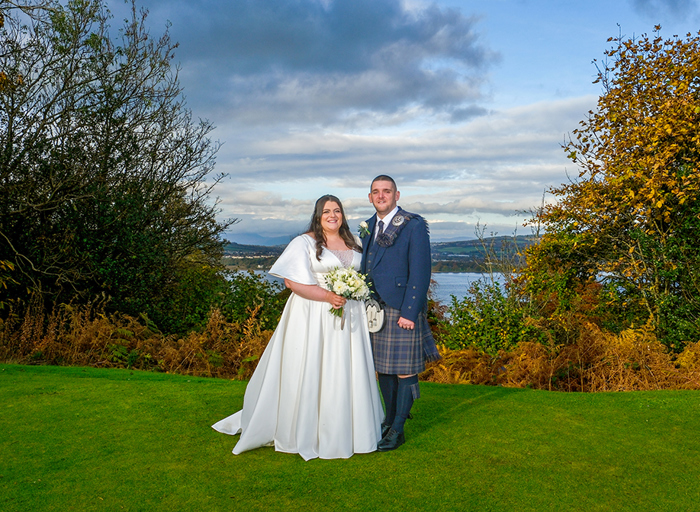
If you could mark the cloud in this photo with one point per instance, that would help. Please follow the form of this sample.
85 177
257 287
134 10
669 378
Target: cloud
472 205
660 10
499 147
326 62
490 169
243 201
319 96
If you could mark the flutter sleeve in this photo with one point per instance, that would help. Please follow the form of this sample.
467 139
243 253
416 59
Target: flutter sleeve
294 263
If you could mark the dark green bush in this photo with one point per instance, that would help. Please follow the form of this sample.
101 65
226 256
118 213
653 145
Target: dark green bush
487 319
199 288
247 291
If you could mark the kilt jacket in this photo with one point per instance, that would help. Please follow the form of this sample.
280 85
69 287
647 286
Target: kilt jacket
400 273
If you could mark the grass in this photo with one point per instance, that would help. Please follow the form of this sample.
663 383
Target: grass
87 439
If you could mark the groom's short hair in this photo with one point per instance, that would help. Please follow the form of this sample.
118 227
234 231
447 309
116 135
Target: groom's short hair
384 177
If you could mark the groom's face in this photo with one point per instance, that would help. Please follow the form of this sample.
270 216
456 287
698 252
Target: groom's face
383 197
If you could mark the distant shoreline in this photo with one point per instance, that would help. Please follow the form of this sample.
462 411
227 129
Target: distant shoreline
266 268
459 257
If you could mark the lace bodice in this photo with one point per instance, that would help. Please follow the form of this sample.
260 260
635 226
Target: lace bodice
345 256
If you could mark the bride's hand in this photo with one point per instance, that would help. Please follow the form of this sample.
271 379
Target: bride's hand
335 300
315 292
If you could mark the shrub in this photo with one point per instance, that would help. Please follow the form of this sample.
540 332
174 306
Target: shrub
86 335
247 291
597 360
488 318
197 288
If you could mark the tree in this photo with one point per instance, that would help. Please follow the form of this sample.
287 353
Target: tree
105 179
632 216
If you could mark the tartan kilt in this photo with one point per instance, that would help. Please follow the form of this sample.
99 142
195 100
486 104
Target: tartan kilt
400 351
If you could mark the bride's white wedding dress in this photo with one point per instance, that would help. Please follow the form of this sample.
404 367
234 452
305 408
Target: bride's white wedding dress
314 390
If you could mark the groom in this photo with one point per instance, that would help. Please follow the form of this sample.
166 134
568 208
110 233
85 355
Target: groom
396 258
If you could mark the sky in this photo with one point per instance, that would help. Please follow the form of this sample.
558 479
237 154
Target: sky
466 104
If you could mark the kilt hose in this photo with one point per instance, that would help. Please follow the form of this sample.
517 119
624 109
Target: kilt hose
400 351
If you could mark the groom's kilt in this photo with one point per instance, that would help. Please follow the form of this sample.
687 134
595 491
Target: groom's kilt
400 351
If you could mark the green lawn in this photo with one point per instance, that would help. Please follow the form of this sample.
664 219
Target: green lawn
84 439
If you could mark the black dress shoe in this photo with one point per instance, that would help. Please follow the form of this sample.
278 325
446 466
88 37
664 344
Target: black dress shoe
385 430
391 441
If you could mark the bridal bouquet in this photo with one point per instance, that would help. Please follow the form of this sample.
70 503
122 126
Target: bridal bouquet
348 283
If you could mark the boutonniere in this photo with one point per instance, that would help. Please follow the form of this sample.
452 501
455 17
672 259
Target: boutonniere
364 229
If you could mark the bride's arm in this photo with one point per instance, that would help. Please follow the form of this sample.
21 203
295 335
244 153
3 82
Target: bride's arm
315 292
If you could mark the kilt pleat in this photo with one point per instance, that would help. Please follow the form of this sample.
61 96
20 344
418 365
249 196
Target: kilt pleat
400 351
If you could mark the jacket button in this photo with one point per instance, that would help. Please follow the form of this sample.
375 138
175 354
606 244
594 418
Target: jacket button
414 296
409 307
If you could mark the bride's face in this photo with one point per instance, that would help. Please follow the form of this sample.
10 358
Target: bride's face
331 218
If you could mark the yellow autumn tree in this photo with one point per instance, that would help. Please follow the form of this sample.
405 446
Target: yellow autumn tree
631 219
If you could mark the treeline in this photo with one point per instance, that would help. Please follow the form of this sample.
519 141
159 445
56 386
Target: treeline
234 249
494 243
263 263
457 265
458 256
249 263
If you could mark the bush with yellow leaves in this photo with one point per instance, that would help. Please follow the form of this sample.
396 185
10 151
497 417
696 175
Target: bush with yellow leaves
87 336
597 360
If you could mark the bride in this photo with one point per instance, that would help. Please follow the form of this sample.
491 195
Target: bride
314 391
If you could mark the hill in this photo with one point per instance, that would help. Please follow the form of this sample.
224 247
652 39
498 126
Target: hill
475 248
455 256
234 249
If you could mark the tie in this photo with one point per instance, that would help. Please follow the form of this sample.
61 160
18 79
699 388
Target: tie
381 228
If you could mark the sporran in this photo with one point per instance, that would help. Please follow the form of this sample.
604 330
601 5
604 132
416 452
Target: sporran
375 315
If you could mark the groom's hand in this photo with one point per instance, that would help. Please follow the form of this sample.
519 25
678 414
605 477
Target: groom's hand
406 324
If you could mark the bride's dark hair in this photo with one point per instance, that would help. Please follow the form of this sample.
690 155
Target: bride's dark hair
317 230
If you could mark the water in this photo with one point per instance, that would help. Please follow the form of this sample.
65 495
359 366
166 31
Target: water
453 283
447 284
